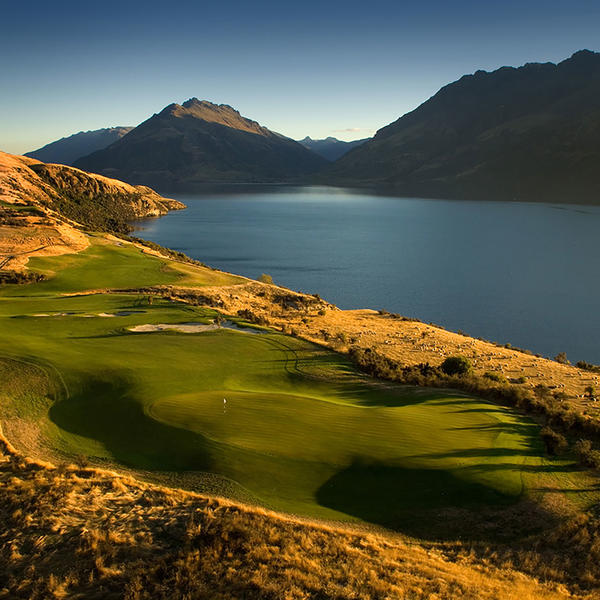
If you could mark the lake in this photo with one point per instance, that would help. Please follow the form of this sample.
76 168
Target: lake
524 273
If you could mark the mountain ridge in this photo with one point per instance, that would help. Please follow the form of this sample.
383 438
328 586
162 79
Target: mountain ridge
197 142
525 133
330 147
68 149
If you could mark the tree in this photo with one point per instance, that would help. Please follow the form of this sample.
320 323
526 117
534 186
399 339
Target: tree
456 365
561 357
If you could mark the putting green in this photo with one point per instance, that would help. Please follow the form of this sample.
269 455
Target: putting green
300 430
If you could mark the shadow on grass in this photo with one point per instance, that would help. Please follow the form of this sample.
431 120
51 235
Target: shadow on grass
109 411
426 503
478 453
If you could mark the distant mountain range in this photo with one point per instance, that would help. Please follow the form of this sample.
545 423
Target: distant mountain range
330 148
198 142
528 133
68 149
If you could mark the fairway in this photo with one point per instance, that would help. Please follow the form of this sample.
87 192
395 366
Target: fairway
266 418
115 264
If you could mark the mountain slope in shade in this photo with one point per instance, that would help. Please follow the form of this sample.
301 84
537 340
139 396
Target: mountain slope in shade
330 148
528 133
186 145
68 149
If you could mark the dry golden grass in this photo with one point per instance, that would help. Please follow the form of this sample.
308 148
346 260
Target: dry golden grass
19 244
85 533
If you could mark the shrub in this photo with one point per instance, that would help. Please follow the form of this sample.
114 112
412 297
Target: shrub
264 278
587 455
555 442
588 366
561 357
495 377
20 277
541 391
456 365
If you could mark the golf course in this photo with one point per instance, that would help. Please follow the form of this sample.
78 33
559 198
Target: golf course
222 406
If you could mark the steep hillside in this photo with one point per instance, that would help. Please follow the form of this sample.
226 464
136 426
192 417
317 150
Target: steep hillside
68 149
197 142
43 207
331 148
528 133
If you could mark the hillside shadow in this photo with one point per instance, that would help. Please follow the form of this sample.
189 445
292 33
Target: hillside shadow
392 395
476 453
108 410
426 503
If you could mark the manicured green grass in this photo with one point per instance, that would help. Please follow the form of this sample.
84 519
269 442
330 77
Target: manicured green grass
300 430
106 264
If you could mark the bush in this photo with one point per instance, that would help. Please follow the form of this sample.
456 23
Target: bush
20 277
495 377
264 278
541 391
555 442
561 358
456 365
586 455
588 366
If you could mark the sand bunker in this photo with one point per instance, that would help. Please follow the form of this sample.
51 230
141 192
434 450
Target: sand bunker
191 327
121 313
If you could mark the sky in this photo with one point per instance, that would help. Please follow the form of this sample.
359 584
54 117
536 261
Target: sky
327 68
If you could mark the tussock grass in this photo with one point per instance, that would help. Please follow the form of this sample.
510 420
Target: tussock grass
72 532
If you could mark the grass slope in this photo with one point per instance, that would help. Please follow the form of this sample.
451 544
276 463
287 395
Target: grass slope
301 431
109 264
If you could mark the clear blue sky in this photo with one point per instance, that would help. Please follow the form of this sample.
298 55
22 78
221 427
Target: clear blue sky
340 68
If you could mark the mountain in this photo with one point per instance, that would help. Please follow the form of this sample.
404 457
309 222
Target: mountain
197 142
330 148
68 149
528 133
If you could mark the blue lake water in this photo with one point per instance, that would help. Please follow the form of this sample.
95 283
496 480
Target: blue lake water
524 273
